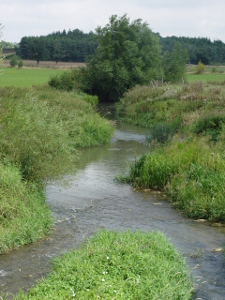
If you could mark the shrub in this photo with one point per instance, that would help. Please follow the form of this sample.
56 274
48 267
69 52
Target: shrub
214 70
20 64
200 68
13 61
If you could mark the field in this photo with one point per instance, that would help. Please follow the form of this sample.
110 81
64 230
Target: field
205 77
26 77
47 64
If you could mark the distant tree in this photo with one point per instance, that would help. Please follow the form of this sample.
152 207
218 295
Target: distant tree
36 48
20 64
200 68
13 61
127 54
174 64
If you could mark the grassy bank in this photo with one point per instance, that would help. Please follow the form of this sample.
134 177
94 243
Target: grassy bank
114 265
42 132
192 174
191 168
24 216
26 77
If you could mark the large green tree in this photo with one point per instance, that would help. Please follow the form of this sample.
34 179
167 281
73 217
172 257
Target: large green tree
128 54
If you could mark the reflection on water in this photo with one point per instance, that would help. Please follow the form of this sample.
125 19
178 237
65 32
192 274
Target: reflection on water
93 200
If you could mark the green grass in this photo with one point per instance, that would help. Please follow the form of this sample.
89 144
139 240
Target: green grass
113 265
191 173
205 77
26 77
24 216
42 133
192 177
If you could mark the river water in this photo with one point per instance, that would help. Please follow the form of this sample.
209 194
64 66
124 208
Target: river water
93 200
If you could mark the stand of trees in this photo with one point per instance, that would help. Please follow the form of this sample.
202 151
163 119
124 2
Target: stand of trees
58 46
198 49
77 46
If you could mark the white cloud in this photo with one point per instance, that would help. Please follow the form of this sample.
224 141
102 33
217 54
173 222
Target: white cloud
168 17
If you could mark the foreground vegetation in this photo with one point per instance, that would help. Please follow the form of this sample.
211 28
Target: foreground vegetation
112 265
191 167
42 131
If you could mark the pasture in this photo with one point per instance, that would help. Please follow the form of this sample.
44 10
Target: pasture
26 77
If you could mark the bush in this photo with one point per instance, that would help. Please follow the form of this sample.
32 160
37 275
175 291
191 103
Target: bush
200 68
70 80
214 70
20 64
13 61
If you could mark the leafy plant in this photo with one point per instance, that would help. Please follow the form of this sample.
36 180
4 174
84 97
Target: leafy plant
127 54
200 68
13 61
20 63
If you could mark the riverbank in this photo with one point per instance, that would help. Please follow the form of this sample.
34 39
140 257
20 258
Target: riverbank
190 168
42 133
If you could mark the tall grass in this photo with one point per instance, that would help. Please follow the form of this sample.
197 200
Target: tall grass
24 216
41 133
113 265
191 172
42 129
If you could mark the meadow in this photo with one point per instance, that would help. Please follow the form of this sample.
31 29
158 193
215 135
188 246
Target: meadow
26 77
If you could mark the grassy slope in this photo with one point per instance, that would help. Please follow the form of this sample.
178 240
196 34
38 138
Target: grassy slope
191 172
41 133
26 77
114 265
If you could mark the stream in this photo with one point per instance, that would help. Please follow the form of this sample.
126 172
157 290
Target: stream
93 200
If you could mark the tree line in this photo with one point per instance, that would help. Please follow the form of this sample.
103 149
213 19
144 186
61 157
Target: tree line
198 49
76 46
65 46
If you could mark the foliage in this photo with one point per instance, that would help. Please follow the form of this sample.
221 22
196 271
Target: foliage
117 265
200 68
174 64
24 216
209 52
214 70
59 46
20 63
197 107
190 173
13 61
42 129
75 79
127 54
7 45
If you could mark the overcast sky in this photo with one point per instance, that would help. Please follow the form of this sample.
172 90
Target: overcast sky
191 18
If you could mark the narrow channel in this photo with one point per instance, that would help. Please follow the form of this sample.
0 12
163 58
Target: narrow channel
93 200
